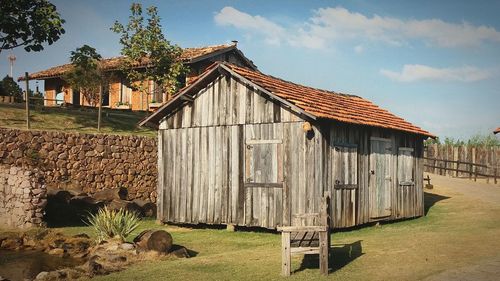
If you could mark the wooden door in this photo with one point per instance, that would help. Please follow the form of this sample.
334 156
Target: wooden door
263 177
380 178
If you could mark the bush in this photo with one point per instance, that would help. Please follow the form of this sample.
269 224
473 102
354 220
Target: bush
113 224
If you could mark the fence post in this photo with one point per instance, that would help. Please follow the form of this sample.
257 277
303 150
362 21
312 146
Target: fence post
495 174
474 162
27 98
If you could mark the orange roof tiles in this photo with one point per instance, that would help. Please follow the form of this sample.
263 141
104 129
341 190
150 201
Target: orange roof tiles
318 103
187 55
330 105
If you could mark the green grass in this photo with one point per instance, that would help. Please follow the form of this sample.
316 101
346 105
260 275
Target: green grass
83 120
457 231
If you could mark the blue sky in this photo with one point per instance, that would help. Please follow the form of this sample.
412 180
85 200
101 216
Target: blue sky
434 63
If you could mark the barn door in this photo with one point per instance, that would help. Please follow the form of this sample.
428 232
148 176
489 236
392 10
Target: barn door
263 180
380 178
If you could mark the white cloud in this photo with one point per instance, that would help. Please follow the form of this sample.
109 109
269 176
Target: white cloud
229 16
359 49
328 25
416 72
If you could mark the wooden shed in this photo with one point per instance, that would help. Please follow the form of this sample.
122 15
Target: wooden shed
244 148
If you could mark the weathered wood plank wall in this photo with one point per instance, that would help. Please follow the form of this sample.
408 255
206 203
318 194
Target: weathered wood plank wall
234 157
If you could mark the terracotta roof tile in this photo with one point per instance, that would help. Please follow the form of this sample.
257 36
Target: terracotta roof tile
113 63
329 105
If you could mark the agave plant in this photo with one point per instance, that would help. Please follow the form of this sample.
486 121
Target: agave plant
113 224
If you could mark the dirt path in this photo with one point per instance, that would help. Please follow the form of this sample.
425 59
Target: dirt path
488 269
477 190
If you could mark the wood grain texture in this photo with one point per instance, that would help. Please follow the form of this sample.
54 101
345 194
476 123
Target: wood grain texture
234 157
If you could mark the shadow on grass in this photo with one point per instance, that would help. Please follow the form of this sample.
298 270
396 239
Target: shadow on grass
340 256
223 226
430 199
190 253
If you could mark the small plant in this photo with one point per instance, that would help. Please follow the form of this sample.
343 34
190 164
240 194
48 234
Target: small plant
113 224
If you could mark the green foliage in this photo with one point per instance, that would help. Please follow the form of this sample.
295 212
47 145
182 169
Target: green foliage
113 224
9 87
142 41
29 23
38 96
483 140
476 140
86 74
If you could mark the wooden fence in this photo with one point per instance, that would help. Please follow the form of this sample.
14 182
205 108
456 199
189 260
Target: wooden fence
463 161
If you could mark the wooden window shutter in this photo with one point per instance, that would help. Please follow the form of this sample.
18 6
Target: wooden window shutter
345 166
263 163
406 171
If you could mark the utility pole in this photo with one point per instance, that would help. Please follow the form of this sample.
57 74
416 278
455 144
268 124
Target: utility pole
12 59
27 98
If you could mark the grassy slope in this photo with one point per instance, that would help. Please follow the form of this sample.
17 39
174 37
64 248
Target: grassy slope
73 120
456 232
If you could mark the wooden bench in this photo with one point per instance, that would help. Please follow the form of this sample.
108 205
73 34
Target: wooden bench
307 240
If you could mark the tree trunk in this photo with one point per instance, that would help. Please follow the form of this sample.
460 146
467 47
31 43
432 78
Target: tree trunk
108 195
154 240
130 206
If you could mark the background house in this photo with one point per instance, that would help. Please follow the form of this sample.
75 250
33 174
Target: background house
244 148
119 94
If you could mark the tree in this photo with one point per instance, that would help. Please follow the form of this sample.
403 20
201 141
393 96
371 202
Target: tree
143 43
87 76
9 87
29 23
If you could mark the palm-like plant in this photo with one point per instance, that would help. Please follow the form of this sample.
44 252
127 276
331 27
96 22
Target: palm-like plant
113 224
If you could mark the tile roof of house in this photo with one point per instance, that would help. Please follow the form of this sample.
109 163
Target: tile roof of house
497 130
316 102
189 55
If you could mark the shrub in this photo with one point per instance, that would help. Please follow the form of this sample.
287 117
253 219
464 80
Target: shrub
113 224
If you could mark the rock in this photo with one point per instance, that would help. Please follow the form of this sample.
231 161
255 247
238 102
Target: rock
110 194
125 205
11 243
127 246
95 268
42 275
57 252
81 235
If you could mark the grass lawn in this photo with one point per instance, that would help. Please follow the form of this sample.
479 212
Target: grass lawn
457 231
73 120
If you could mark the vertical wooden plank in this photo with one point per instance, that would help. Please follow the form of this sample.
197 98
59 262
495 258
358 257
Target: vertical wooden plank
211 173
160 188
196 175
204 170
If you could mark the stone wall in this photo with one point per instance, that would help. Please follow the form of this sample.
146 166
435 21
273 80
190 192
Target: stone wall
22 196
89 162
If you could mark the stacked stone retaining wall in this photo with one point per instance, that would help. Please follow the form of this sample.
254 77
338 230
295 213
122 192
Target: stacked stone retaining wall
90 162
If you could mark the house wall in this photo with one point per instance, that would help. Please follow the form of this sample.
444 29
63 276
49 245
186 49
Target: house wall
203 164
